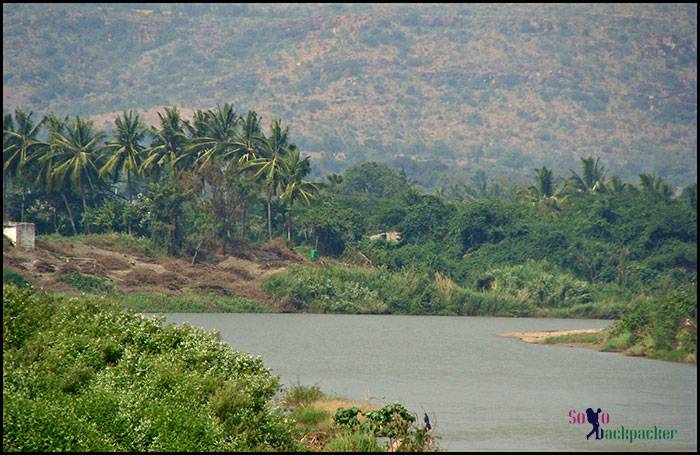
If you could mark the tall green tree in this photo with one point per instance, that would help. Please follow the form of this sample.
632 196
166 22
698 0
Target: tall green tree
656 186
250 138
270 165
168 143
21 146
74 155
592 178
295 186
56 126
220 136
125 153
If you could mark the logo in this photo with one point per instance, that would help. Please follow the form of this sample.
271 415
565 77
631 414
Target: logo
601 428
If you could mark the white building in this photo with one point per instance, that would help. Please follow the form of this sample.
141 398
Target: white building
20 234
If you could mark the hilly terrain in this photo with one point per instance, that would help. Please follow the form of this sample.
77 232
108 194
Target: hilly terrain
441 90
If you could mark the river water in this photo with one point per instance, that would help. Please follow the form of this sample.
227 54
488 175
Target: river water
481 391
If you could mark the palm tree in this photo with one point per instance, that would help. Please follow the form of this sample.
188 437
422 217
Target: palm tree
19 148
270 165
56 126
615 185
167 145
593 179
295 187
656 186
74 154
220 136
126 152
543 192
544 185
250 138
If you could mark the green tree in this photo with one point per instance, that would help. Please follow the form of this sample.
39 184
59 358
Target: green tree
295 185
219 140
168 143
270 165
543 192
125 154
74 155
655 186
20 147
592 179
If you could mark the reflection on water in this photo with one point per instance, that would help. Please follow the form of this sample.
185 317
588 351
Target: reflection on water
482 392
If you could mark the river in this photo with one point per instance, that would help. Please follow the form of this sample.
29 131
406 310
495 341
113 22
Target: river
481 391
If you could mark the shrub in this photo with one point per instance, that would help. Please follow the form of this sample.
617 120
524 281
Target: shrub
80 374
301 395
10 276
87 283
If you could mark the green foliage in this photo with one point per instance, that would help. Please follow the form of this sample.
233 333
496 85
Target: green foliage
309 416
15 278
392 421
585 338
374 179
354 442
79 374
87 283
658 325
301 395
189 303
117 215
347 417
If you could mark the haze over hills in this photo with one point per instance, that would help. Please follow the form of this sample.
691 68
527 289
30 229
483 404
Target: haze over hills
458 88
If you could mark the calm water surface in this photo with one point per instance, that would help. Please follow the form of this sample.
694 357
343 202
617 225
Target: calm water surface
482 391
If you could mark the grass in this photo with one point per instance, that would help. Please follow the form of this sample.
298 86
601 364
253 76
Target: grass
354 442
618 342
310 416
191 303
578 338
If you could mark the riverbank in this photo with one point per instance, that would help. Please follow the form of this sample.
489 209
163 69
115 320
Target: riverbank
585 338
600 340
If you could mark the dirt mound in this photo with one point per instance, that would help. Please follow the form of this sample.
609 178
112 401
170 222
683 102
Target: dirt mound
237 267
68 267
42 266
112 263
118 260
214 289
277 251
143 276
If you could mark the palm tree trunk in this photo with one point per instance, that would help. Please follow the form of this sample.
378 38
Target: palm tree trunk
269 217
289 225
70 214
87 226
21 216
128 185
5 182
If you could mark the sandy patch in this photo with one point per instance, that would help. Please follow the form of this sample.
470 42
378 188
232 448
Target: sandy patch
538 337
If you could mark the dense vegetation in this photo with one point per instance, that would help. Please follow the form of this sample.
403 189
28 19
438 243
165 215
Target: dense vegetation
590 245
79 374
442 91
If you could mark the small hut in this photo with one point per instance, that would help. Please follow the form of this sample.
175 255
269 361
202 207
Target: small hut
20 234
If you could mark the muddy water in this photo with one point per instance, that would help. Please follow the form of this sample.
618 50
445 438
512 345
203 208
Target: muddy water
481 391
